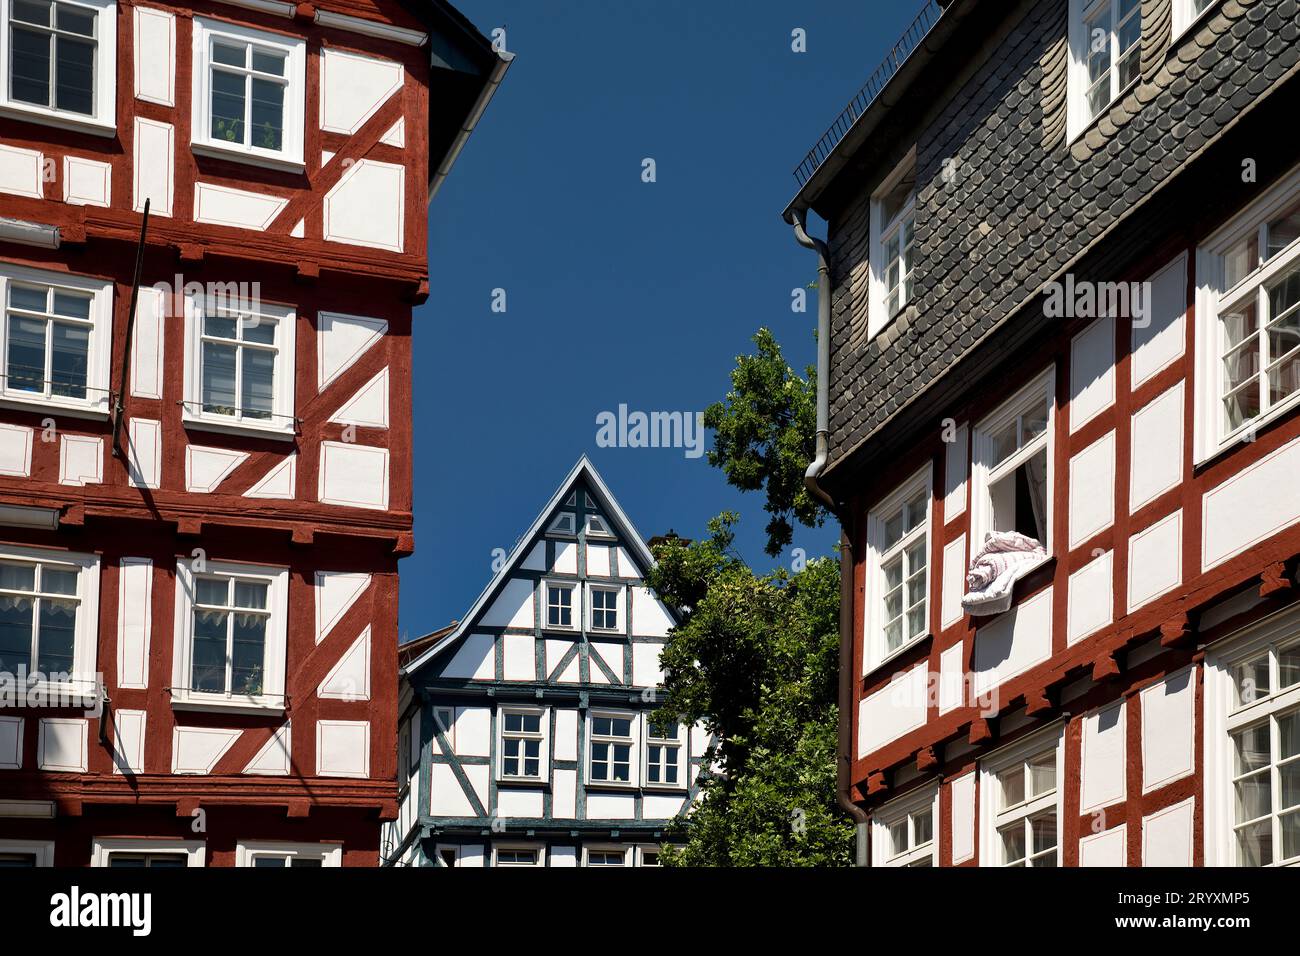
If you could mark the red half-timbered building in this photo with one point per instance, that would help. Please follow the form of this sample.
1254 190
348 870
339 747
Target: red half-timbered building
1064 302
203 502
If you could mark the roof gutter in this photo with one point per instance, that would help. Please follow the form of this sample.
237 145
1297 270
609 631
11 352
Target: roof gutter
843 756
503 61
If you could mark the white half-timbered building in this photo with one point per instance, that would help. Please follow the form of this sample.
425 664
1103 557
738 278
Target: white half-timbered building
525 731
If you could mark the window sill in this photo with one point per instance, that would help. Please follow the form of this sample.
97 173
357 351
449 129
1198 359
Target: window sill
213 151
96 411
605 632
1250 433
670 789
610 785
538 782
1029 579
895 654
74 122
45 694
237 428
247 705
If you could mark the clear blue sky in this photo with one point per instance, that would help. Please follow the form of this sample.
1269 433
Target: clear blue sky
617 291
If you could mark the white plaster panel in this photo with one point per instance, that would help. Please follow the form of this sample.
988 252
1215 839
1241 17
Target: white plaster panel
1155 560
144 452
1167 835
1168 730
128 741
1092 490
336 591
1252 505
650 618
1091 602
81 460
1092 372
237 208
353 88
1108 848
520 653
353 475
274 758
155 56
15 450
1103 758
892 711
11 743
343 748
341 340
956 466
566 734
611 806
646 671
368 408
87 183
962 794
196 750
280 481
206 468
1157 461
147 344
951 678
154 163
1163 340
954 581
513 605
564 796
134 620
447 797
22 172
566 557
367 207
1012 643
349 678
474 660
61 744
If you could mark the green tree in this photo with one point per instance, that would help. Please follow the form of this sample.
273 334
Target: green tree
765 433
755 657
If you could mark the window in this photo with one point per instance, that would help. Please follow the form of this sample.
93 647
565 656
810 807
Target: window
59 62
295 855
1187 12
448 855
444 722
1012 474
1248 313
559 605
56 335
139 854
604 608
22 854
1020 803
649 855
1253 777
611 746
898 536
239 367
904 830
49 613
663 751
1105 43
517 856
606 856
249 94
596 527
232 621
523 743
563 524
893 222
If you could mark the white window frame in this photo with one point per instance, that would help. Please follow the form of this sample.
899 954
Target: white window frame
875 653
881 232
289 158
625 850
1222 718
84 681
99 348
101 849
991 819
633 754
901 809
1185 15
984 473
104 120
246 853
543 749
647 741
282 423
272 697
643 849
42 850
570 525
538 848
620 607
575 604
1081 11
601 532
1210 431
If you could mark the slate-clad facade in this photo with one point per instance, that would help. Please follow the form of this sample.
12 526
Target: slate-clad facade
1064 249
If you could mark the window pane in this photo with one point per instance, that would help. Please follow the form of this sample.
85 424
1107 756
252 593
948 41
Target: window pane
898 838
249 653
70 305
55 581
1013 843
30 66
57 636
219 378
231 54
227 107
74 84
1254 797
221 326
17 577
1251 747
15 633
214 591
1290 774
310 862
272 862
916 556
1044 832
31 300
1241 260
1290 835
32 11
1004 443
208 661
1250 682
1255 844
69 359
258 329
1289 726
251 594
26 360
268 114
922 828
1284 230
1042 775
257 383
1013 786
893 530
266 61
76 20
1288 665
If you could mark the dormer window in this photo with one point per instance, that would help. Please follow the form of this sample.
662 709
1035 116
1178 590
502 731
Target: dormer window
893 224
563 523
1105 44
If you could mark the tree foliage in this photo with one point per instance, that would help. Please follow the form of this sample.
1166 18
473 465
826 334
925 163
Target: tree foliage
765 433
755 657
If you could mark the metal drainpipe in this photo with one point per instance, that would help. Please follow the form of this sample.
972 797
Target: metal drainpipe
843 758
